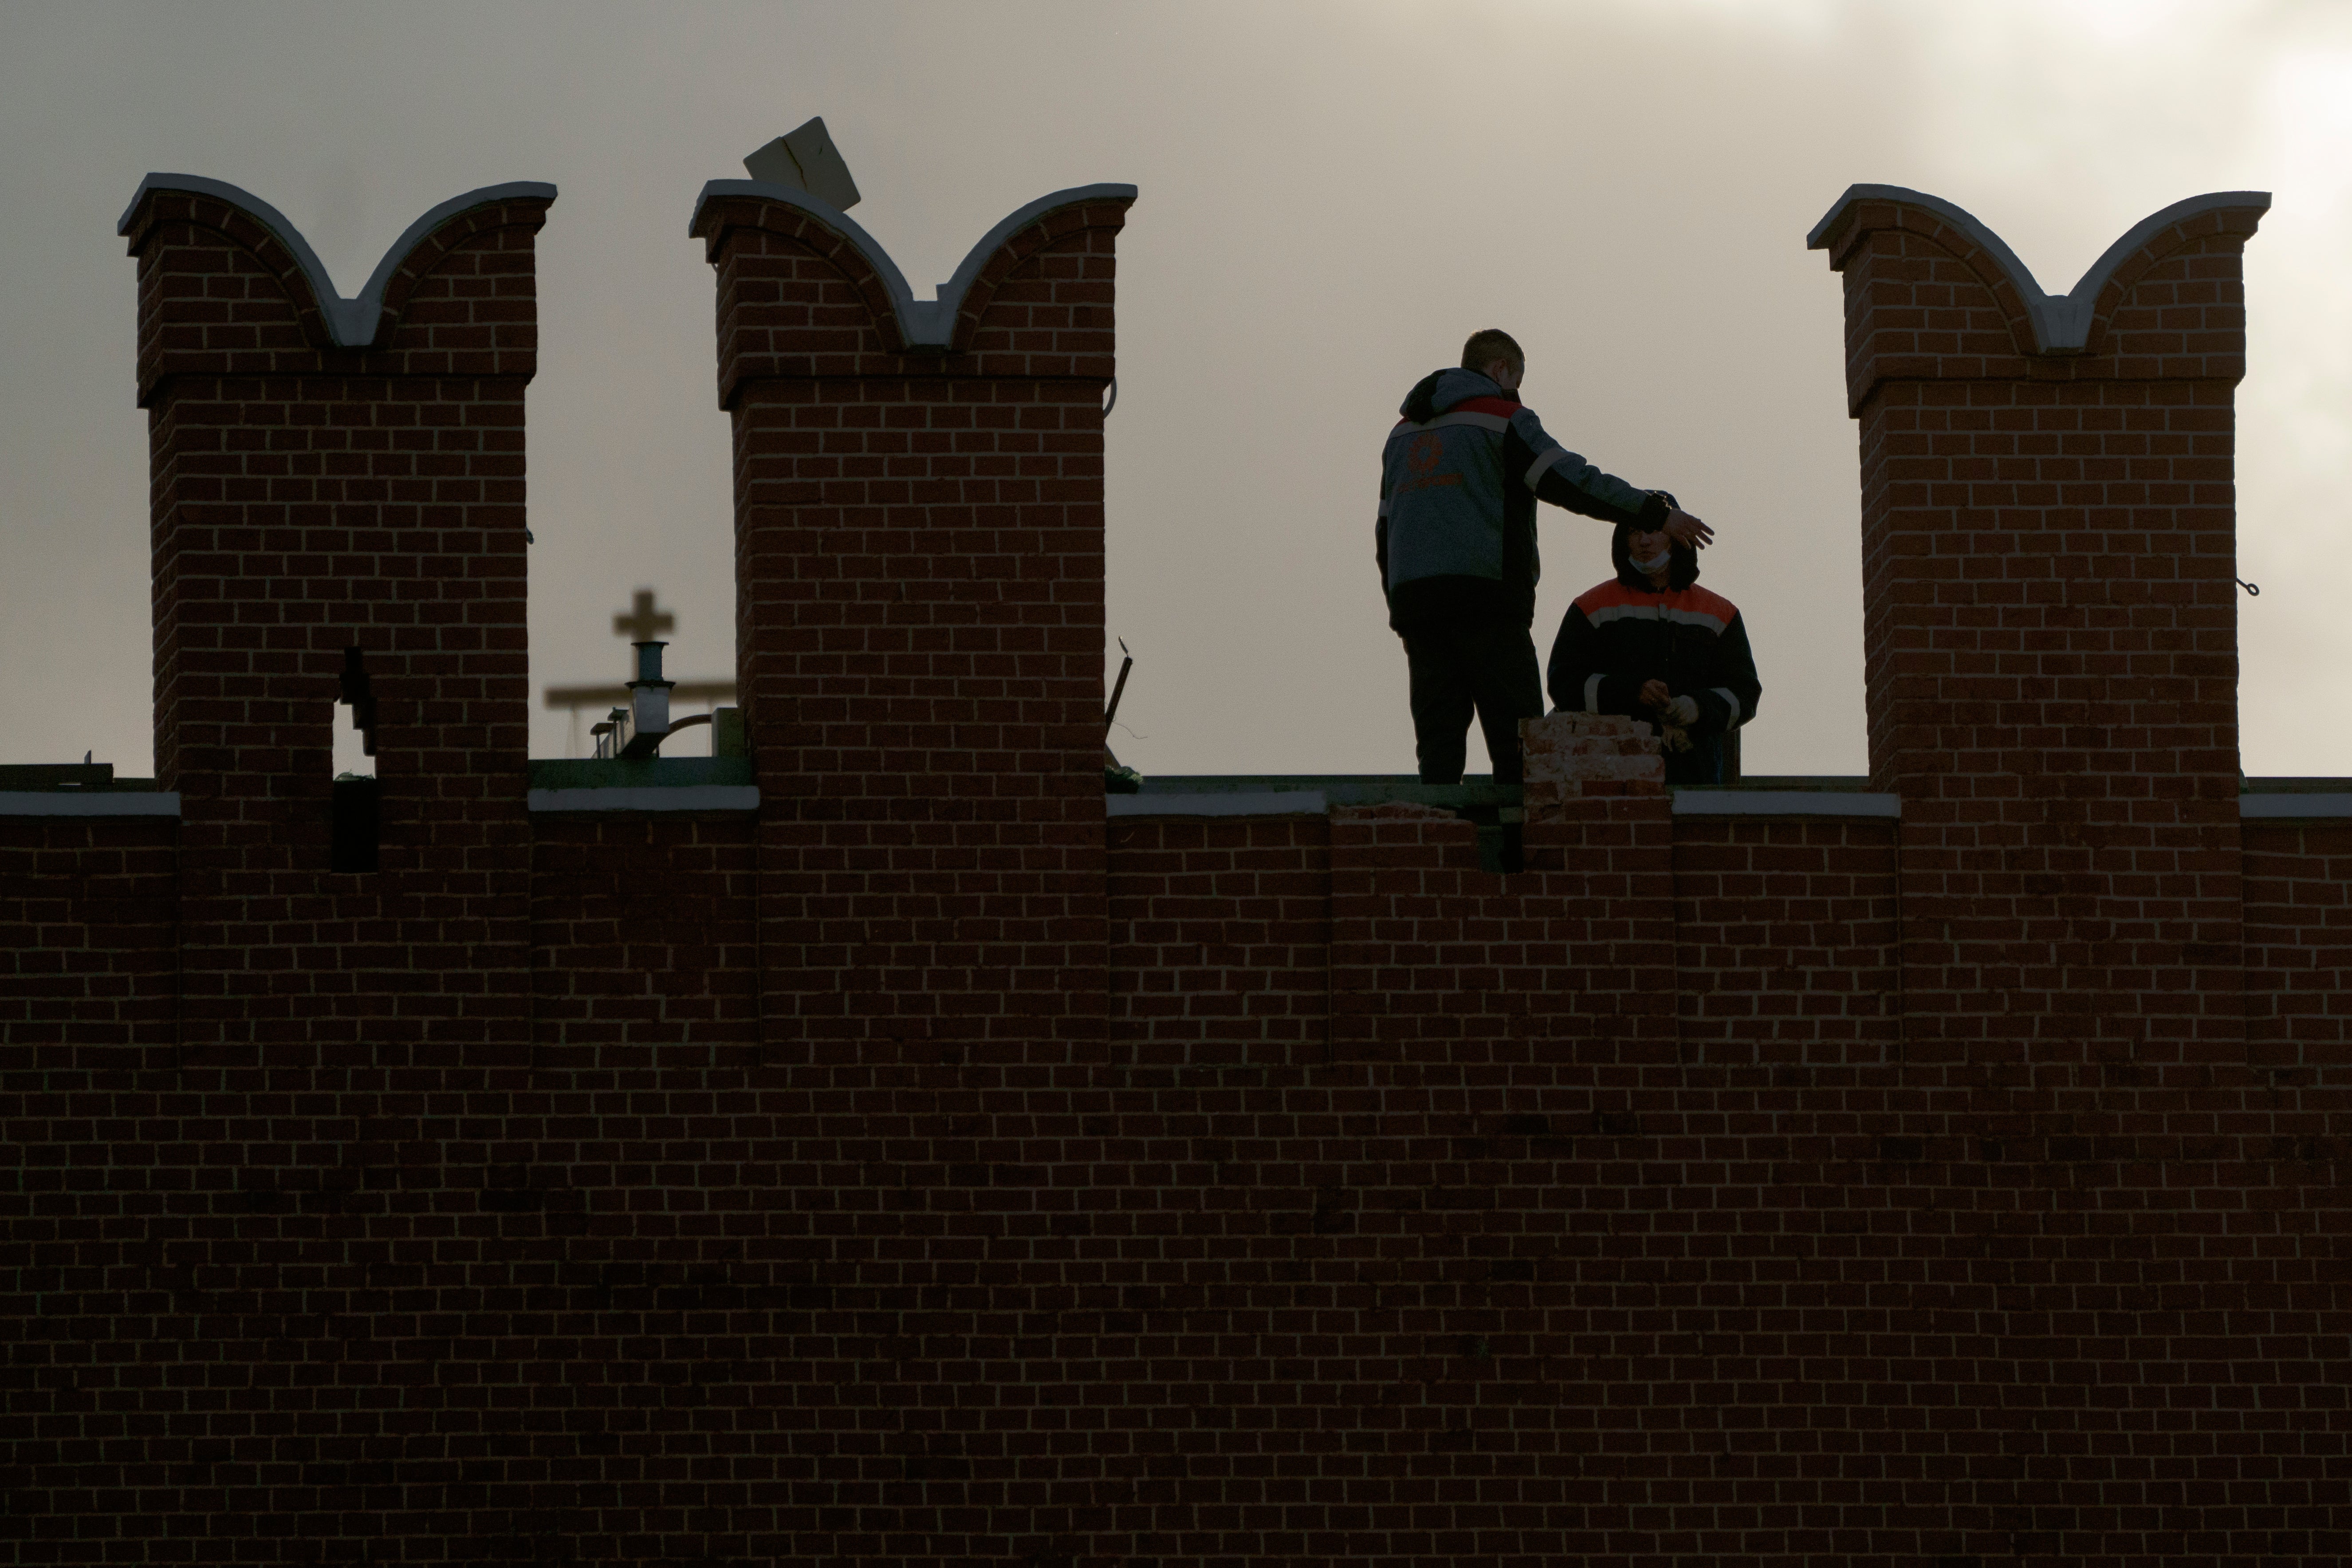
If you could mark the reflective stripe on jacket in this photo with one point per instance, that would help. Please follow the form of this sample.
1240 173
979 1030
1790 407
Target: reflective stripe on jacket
1617 635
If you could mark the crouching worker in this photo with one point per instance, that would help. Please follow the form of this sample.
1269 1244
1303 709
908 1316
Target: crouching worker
1460 477
1651 644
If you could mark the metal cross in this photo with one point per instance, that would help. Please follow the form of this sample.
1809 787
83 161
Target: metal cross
642 621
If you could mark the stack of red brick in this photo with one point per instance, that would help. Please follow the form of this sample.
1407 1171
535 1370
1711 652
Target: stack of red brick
922 1168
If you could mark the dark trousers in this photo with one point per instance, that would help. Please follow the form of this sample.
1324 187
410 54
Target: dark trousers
1456 668
1702 766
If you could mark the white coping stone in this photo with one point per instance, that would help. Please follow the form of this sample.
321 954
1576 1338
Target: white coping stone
1262 803
2295 805
1268 803
925 323
682 797
354 322
1784 802
97 802
2062 322
1708 803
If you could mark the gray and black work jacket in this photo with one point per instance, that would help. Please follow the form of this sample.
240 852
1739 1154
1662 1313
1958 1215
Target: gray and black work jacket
1460 477
1621 634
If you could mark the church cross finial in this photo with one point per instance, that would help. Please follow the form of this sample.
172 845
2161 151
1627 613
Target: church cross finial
642 621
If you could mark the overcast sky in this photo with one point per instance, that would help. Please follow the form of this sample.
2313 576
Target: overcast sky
1333 194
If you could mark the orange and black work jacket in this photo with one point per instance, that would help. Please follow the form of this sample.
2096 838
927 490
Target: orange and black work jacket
1624 633
1460 477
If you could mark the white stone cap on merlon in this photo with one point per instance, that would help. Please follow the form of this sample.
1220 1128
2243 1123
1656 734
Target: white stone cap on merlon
352 323
2062 323
927 324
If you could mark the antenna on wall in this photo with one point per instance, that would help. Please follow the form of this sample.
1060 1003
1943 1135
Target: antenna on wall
806 160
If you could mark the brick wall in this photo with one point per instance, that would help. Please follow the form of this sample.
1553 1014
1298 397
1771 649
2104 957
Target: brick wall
1786 949
919 1170
645 946
250 1330
2298 950
1220 950
88 927
1525 1266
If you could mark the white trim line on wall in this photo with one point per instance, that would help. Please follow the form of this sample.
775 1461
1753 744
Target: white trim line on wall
1784 802
681 797
2285 805
97 802
1264 803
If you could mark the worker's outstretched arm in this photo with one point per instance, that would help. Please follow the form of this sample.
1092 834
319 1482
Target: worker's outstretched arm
1565 479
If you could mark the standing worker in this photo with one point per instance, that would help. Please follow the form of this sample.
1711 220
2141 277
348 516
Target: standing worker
1456 541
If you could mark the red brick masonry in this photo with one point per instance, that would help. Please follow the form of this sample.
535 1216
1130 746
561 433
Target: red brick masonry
921 1168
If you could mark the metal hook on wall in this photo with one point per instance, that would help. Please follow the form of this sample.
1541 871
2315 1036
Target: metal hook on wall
2250 590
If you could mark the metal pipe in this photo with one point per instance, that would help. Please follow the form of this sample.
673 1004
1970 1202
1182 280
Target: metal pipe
1119 689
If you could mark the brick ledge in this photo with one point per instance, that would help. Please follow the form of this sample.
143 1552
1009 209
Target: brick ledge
657 797
1237 803
1784 802
2296 803
97 802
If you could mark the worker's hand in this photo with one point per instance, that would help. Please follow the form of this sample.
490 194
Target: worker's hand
1685 529
1655 694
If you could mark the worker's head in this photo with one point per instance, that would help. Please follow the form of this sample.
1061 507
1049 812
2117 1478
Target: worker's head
1652 552
1494 354
1649 555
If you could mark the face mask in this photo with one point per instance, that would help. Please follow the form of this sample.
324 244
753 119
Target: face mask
1656 562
